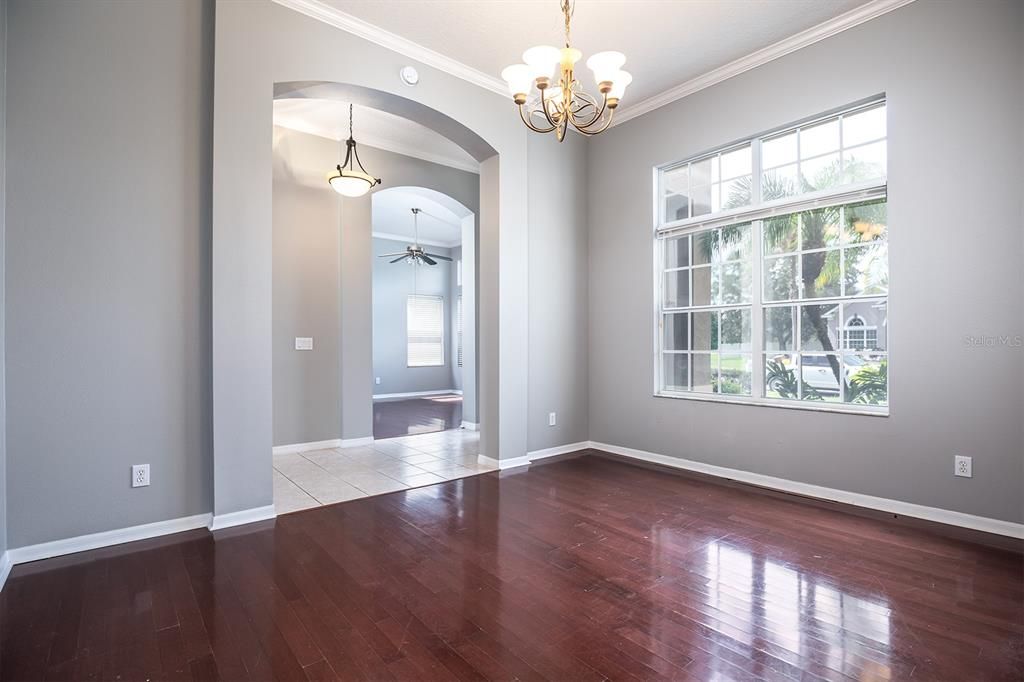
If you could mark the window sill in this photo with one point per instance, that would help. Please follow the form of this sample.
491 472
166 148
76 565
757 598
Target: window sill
807 406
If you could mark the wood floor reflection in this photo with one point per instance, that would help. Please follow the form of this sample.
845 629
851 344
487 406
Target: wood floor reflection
412 416
579 569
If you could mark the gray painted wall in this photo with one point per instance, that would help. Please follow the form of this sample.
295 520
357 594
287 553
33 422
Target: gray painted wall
3 240
108 264
392 285
307 292
952 73
558 291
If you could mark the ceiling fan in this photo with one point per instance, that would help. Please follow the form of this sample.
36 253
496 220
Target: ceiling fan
414 253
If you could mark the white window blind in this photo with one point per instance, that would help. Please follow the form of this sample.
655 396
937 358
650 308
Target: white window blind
458 326
425 331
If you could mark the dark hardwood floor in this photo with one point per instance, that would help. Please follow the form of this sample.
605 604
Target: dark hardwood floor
393 418
581 569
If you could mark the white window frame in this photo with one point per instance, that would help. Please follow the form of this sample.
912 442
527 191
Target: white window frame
443 361
755 214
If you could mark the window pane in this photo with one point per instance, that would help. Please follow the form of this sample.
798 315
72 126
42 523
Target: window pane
865 163
675 184
702 286
780 278
734 377
866 222
700 172
780 183
864 127
704 331
701 195
819 377
677 289
705 372
780 234
867 269
821 173
675 368
819 327
736 193
676 331
677 207
424 331
820 139
867 380
705 245
820 274
865 327
781 379
733 243
819 228
780 328
734 334
677 252
779 151
736 163
732 284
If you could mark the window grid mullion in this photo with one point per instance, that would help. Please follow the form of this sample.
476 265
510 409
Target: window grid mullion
756 312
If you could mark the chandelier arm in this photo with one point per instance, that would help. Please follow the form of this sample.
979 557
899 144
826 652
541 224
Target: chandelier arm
544 108
598 113
529 124
604 127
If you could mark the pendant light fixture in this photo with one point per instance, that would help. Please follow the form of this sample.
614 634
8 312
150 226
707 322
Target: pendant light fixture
563 102
350 182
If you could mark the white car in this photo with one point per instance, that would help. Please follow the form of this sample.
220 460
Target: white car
817 372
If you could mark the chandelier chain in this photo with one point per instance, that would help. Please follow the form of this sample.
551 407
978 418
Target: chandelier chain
567 10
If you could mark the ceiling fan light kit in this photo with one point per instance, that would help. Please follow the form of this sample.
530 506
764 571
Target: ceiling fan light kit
349 181
562 101
414 253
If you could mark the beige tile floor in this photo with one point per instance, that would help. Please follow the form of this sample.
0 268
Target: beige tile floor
310 479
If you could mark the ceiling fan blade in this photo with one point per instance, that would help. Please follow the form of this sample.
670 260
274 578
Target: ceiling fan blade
402 257
427 259
390 255
434 255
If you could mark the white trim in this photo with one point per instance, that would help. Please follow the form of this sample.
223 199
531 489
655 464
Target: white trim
405 150
346 22
82 543
5 568
306 447
390 236
238 518
946 516
356 442
417 394
503 464
471 426
558 450
806 38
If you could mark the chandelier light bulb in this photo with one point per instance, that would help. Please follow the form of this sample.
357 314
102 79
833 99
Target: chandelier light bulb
519 80
542 61
606 65
619 82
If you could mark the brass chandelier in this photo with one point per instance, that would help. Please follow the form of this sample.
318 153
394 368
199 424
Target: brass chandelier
566 103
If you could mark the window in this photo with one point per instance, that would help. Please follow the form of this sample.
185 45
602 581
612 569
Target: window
458 327
772 281
425 331
458 272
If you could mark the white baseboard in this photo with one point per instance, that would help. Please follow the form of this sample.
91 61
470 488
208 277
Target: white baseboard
306 447
502 464
5 568
416 394
221 521
355 442
470 426
917 511
557 450
82 543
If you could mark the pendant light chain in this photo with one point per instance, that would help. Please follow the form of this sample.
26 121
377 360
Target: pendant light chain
567 10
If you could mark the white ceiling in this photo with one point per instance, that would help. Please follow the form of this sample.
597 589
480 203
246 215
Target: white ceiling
373 128
666 42
439 223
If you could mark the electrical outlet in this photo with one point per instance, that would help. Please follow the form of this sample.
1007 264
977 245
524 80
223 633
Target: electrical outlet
303 343
963 466
377 381
140 475
551 418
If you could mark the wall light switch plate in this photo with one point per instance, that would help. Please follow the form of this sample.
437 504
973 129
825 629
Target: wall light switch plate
552 418
963 466
303 343
140 475
377 381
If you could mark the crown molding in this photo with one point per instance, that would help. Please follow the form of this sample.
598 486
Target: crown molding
827 29
396 43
